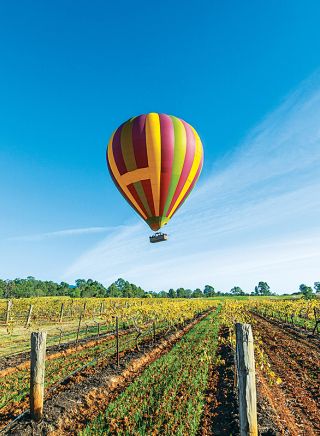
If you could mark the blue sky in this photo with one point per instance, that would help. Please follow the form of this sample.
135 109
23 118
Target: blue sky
244 74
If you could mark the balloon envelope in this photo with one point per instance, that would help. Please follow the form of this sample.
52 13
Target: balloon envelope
155 161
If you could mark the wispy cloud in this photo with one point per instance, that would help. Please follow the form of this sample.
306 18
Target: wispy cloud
255 218
61 234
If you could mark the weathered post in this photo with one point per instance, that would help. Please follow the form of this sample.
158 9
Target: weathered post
9 307
37 369
61 313
117 341
101 308
29 316
84 309
246 380
98 328
317 320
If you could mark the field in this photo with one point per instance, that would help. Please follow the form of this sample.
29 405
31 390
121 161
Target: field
176 365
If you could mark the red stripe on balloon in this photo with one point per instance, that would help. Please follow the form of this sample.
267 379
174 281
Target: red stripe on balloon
121 191
190 187
146 184
139 141
167 154
117 151
135 195
188 161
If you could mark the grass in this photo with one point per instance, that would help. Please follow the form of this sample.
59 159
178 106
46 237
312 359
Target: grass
168 398
14 387
18 339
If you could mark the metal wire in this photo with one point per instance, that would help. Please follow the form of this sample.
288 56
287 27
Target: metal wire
148 332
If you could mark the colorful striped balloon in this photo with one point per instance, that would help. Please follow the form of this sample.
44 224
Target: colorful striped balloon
155 161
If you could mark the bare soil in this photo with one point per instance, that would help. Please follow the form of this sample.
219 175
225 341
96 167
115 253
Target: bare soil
296 360
12 363
83 396
221 416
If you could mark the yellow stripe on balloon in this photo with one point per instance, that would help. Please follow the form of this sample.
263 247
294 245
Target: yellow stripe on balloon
153 139
195 166
135 176
118 178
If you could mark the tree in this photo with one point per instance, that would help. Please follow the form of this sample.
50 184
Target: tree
208 291
188 293
31 287
172 293
2 288
120 284
306 291
197 293
80 283
75 293
181 293
317 287
262 289
236 290
113 291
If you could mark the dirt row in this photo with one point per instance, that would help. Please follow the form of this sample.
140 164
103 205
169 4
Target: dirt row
83 396
297 362
221 416
294 331
8 364
291 408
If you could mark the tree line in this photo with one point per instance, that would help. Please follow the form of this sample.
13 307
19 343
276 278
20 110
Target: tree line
31 287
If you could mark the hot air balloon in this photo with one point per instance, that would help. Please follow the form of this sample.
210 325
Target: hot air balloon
155 160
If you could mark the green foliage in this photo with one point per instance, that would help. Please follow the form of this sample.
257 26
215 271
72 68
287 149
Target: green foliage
209 291
262 289
197 293
306 291
30 287
317 287
172 293
168 398
122 288
236 290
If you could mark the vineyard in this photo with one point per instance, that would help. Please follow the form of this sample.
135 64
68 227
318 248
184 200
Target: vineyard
159 366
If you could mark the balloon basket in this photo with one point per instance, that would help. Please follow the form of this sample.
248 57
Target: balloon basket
158 237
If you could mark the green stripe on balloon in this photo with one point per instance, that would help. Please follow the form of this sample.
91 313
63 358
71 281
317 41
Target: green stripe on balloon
178 159
140 191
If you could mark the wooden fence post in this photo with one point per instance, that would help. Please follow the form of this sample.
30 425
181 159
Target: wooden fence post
84 309
37 368
29 316
101 308
61 313
98 327
9 307
246 380
117 341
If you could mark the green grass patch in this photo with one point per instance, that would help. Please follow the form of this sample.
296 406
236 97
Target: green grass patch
169 396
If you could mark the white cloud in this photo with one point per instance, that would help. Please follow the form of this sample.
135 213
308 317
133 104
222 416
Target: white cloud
255 218
61 233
